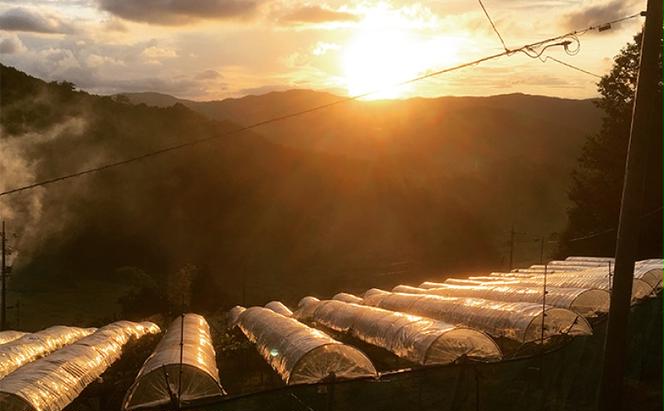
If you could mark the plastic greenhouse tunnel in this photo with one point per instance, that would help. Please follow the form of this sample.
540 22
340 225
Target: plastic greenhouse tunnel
420 340
9 336
579 279
53 382
163 379
34 346
279 308
588 302
649 271
347 298
518 321
301 354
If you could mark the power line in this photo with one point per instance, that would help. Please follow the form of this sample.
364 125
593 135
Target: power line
547 58
592 234
549 42
495 29
602 27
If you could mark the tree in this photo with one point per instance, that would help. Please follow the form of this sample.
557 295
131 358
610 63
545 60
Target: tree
597 181
178 288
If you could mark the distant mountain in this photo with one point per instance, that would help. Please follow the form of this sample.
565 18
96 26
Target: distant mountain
344 127
155 99
517 149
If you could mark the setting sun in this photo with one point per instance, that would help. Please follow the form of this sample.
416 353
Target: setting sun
388 50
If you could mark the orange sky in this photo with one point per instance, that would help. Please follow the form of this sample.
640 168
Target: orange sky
212 49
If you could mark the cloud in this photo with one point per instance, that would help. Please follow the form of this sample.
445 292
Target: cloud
179 12
317 15
155 53
11 45
598 13
322 48
208 75
22 19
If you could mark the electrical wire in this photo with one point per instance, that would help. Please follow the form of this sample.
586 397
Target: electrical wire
546 43
547 58
495 29
589 235
566 44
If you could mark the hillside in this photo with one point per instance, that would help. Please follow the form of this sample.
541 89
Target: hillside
244 218
240 218
515 150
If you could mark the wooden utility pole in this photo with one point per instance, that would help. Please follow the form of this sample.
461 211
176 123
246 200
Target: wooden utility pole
3 273
643 117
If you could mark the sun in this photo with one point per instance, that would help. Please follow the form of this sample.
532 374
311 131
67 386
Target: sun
389 49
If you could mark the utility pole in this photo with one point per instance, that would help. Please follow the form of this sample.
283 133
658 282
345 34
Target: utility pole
3 269
615 352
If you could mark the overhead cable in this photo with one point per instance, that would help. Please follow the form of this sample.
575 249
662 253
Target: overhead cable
528 48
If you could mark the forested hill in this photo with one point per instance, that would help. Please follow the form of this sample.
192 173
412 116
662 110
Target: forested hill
360 128
244 212
518 150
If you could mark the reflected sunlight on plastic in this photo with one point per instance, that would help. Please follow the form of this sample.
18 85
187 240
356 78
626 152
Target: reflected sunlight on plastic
588 302
513 320
9 336
200 377
53 382
298 353
420 340
33 346
595 273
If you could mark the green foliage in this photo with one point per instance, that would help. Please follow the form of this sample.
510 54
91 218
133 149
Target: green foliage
597 182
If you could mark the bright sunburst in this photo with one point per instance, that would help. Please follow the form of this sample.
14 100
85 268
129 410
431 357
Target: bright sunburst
390 48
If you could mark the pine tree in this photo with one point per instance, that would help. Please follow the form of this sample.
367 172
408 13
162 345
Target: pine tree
597 181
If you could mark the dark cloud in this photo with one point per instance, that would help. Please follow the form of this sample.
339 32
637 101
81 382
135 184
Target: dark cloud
317 14
208 75
599 13
21 19
179 12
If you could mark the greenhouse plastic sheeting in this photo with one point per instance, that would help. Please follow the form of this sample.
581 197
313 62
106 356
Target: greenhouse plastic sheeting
33 346
577 279
347 298
420 340
587 302
301 354
651 273
199 379
9 336
521 322
53 382
305 308
466 281
234 315
279 308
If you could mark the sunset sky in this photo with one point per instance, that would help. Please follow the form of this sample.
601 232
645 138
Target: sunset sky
213 49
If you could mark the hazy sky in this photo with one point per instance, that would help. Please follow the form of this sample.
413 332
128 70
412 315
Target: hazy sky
211 49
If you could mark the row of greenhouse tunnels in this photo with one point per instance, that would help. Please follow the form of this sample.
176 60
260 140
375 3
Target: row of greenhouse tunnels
527 339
